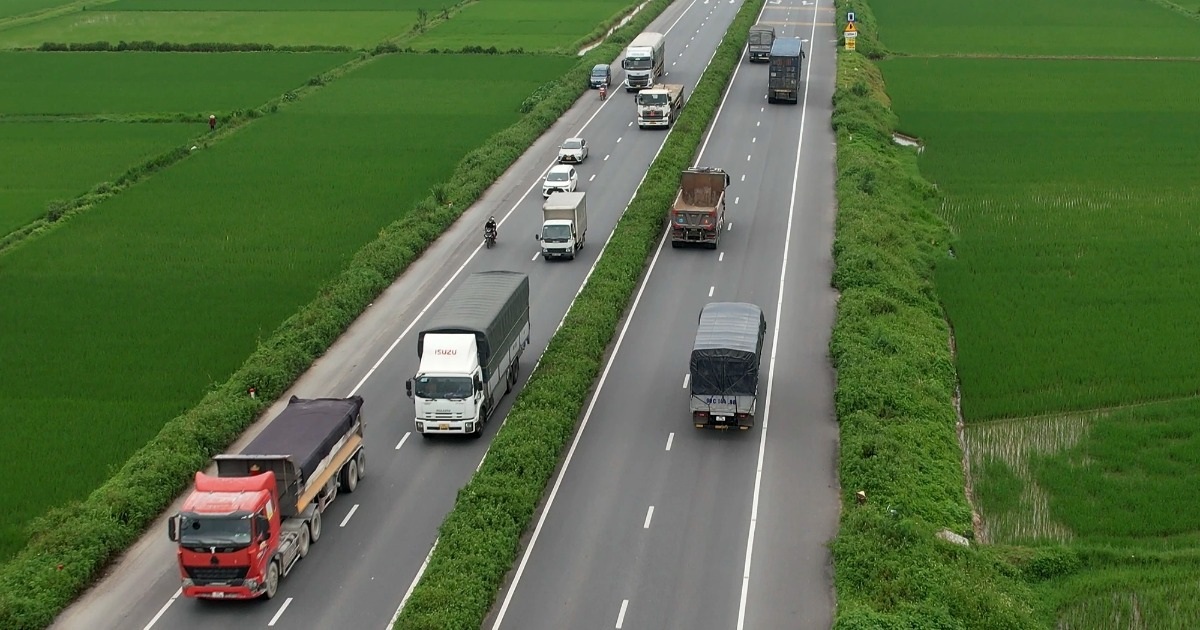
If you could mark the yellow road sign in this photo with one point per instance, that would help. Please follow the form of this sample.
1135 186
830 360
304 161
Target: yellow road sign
850 44
850 28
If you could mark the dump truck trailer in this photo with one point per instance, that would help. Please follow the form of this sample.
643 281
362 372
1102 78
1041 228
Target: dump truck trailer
659 105
698 214
470 349
725 365
240 532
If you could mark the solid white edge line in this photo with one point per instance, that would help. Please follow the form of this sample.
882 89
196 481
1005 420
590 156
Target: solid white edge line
163 610
762 441
349 515
287 602
425 564
621 615
403 439
649 515
611 359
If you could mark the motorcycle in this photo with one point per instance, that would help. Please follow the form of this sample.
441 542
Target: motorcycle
603 92
489 237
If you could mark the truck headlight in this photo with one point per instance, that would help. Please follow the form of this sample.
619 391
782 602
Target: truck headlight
468 426
252 584
420 426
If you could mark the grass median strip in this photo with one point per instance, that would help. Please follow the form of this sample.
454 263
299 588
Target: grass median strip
480 538
71 545
895 391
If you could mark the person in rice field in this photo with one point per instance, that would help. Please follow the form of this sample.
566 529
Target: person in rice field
212 122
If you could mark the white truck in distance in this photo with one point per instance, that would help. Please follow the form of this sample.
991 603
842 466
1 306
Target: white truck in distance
645 61
659 105
470 349
564 225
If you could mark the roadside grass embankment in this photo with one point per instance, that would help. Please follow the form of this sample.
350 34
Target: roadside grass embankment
895 391
529 25
70 546
480 539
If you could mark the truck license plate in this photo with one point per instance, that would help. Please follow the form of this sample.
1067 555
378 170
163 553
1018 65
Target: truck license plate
444 426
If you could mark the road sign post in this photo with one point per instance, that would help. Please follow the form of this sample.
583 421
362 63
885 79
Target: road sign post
850 34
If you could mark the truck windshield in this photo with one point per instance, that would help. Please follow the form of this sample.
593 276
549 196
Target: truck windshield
638 63
652 99
446 387
556 233
214 531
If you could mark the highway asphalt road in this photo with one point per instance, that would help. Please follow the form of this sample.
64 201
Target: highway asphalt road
650 521
378 539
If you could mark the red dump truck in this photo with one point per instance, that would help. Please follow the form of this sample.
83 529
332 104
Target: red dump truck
241 531
698 215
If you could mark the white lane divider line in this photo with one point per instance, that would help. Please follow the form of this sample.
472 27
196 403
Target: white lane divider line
762 440
747 157
349 515
758 123
711 289
743 177
534 257
730 228
403 439
721 257
670 439
753 140
287 602
686 378
618 140
649 515
621 615
592 178
162 611
606 157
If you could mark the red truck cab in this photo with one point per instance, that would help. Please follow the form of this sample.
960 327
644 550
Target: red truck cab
228 533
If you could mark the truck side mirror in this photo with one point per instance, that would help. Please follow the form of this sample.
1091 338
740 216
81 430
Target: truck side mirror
173 528
408 388
537 237
263 527
478 384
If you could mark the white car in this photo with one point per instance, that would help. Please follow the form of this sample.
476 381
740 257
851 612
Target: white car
574 150
561 178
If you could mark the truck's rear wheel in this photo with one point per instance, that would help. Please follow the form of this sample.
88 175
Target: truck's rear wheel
272 583
305 541
350 476
314 528
362 464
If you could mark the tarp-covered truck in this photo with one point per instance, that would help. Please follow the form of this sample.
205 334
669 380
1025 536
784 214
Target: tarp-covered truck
240 532
760 40
471 348
659 105
725 365
698 214
564 225
783 75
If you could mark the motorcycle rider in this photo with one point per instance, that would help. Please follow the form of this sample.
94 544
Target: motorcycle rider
490 228
603 92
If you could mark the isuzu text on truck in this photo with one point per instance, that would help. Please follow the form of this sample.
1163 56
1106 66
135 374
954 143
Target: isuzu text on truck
724 365
645 61
243 530
470 349
659 105
698 215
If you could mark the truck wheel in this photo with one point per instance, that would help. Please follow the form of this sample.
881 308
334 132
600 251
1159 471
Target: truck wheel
362 464
314 528
272 585
350 476
305 541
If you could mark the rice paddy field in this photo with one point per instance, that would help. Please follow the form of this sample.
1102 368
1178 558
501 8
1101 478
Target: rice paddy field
1035 27
44 161
531 25
210 255
151 83
1072 284
11 8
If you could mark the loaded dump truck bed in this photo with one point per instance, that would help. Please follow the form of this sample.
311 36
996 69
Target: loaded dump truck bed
307 431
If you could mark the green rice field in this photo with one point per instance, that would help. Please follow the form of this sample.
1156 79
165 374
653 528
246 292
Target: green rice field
1036 27
276 5
11 8
212 254
281 28
43 161
1077 269
526 24
137 82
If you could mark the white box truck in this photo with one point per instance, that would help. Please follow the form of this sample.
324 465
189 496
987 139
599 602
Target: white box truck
564 225
645 61
470 349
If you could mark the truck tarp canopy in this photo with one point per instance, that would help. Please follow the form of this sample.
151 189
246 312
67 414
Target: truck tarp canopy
728 346
787 47
306 430
490 305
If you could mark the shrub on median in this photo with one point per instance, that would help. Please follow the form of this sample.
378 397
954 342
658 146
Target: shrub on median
895 390
480 538
72 546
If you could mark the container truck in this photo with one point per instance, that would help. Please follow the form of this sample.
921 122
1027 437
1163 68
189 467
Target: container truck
783 78
564 225
760 40
659 105
470 349
724 365
698 214
645 61
240 532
